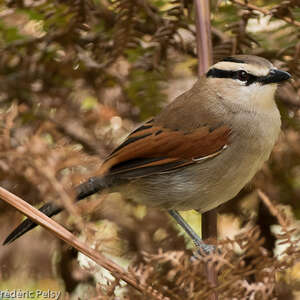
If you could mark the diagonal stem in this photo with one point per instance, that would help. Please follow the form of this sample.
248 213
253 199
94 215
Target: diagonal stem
265 11
65 235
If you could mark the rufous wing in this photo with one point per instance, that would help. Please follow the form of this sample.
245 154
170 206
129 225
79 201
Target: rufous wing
152 149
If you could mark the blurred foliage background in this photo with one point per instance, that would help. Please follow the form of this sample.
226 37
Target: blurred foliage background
75 78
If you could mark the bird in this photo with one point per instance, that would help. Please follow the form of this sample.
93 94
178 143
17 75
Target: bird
200 150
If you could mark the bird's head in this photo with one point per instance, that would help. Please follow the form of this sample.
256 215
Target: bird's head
247 78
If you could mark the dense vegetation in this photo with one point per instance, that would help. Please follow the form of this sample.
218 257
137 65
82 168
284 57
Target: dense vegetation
75 78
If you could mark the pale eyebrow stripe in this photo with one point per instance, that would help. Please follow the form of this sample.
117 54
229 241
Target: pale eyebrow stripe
252 69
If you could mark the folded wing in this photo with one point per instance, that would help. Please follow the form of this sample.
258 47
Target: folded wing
153 149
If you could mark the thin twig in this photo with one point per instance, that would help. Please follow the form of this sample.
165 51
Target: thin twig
87 142
63 234
66 200
265 11
273 209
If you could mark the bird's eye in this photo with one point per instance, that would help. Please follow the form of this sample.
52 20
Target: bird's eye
242 75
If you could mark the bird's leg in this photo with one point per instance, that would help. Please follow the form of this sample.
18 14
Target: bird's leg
189 230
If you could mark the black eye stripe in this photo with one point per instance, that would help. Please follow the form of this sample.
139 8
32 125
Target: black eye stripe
217 73
273 76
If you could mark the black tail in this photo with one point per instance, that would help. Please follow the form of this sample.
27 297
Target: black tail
90 187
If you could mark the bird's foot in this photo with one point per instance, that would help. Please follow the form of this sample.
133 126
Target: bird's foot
205 249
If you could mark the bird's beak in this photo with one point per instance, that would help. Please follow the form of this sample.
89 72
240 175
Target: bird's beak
275 76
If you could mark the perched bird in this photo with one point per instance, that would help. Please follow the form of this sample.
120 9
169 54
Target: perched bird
201 150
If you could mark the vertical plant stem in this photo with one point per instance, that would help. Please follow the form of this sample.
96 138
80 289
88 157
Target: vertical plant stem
204 44
204 50
209 230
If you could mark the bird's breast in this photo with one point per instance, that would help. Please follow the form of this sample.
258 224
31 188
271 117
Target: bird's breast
208 184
